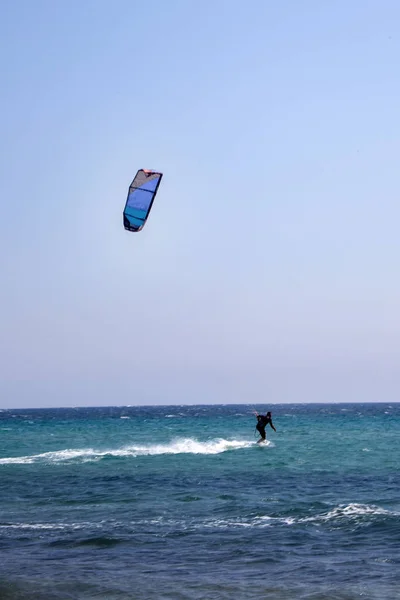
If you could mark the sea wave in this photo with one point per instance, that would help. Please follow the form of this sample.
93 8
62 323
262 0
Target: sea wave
343 512
178 446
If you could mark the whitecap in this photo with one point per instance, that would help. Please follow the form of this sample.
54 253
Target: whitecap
178 446
186 446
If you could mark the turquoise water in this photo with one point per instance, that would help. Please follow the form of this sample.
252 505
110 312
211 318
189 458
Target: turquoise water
179 502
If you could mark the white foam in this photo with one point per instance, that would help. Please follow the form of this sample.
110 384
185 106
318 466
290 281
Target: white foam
49 525
356 510
186 446
57 456
31 526
350 511
179 446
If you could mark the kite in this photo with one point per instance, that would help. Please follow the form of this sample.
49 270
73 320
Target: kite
141 194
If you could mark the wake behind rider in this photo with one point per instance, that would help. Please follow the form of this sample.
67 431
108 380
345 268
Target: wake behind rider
262 422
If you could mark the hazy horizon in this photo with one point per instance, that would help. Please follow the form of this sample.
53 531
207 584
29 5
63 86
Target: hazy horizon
270 405
268 269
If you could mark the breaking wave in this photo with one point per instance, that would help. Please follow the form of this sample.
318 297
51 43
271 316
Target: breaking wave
180 446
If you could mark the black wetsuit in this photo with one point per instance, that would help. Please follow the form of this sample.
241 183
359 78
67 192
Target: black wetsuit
263 421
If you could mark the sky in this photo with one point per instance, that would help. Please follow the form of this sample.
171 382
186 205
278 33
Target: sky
268 270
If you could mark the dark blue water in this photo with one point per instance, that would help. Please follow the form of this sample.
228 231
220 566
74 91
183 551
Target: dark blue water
179 502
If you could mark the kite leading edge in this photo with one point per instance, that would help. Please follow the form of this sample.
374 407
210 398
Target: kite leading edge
141 194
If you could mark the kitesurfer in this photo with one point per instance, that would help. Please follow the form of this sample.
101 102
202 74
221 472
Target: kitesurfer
262 422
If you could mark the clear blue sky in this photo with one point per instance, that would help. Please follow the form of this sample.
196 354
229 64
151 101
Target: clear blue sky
268 270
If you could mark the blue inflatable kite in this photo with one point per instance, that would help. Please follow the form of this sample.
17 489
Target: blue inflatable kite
141 194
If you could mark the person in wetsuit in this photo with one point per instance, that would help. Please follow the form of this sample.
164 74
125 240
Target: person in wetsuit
262 422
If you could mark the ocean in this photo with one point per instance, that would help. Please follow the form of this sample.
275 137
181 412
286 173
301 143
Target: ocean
181 503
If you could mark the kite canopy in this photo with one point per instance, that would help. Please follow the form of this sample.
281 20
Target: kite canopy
141 194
